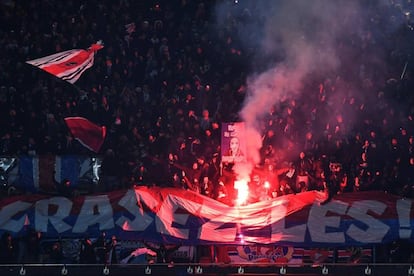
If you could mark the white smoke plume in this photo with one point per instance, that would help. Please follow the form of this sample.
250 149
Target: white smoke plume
292 39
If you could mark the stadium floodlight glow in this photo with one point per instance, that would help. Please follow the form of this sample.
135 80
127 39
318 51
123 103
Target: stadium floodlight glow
367 270
325 270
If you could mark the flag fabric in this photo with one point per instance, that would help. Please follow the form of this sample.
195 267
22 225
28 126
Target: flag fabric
41 173
68 65
281 226
36 173
87 133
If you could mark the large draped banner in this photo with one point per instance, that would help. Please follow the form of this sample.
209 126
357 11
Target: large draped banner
176 215
41 173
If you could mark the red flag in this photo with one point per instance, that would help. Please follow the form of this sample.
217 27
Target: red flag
87 133
68 65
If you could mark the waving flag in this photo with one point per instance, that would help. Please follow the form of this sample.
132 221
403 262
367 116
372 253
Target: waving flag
87 133
68 65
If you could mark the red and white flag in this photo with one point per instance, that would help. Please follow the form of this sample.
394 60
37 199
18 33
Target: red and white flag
68 65
87 133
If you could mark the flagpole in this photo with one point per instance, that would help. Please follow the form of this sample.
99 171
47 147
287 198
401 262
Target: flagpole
404 70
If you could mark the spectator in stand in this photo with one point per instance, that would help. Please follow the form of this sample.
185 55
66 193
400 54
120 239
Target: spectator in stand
192 177
33 246
8 249
204 166
87 252
214 169
287 180
303 166
206 187
310 146
142 176
164 252
205 120
101 249
112 251
65 188
410 146
56 253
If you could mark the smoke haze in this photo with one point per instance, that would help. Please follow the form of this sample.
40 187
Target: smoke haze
295 45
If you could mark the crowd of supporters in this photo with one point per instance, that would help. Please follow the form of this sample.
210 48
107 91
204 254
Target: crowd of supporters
164 84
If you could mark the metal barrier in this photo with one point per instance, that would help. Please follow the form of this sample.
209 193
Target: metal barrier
206 269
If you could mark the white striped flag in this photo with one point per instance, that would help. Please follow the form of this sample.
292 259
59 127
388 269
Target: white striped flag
87 133
68 65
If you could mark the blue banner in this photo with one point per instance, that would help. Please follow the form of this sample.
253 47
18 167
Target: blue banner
176 215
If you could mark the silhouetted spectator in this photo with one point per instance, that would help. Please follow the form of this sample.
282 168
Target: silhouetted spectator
87 252
164 252
8 249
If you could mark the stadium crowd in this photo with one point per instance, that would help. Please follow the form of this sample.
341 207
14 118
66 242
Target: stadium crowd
170 73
